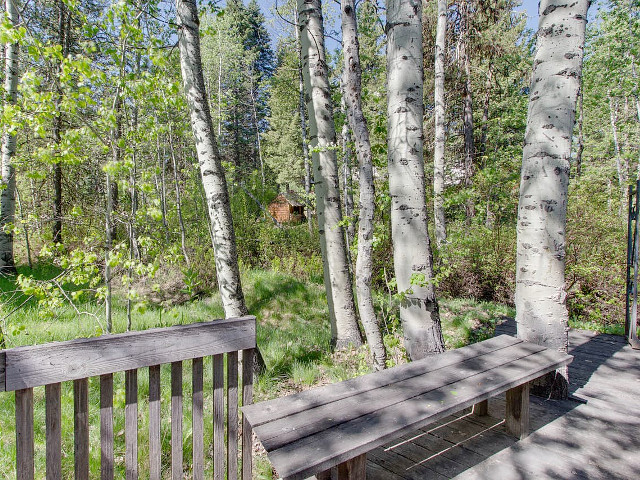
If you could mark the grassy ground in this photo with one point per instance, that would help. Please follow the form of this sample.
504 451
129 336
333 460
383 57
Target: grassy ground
293 335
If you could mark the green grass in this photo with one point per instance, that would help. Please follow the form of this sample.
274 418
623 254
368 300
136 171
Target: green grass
293 335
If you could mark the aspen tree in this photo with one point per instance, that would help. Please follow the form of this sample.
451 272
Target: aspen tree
541 311
8 195
439 101
364 262
412 256
344 326
212 173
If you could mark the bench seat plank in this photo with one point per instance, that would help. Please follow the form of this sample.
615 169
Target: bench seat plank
282 407
280 432
376 421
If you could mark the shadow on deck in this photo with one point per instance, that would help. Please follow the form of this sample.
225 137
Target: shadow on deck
594 435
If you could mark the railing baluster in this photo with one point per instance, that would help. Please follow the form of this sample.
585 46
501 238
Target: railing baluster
176 420
131 424
106 426
218 417
155 447
232 415
53 420
197 420
81 428
247 399
24 434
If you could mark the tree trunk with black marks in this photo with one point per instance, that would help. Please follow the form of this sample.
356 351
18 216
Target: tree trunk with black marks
8 181
580 147
467 109
344 325
303 125
212 173
440 135
412 257
358 122
541 311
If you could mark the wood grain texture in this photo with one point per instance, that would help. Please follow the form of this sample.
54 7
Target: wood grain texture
353 469
3 369
53 422
24 434
81 428
106 427
308 422
176 421
286 406
61 361
247 399
481 409
155 447
338 442
232 415
197 419
218 418
131 424
517 411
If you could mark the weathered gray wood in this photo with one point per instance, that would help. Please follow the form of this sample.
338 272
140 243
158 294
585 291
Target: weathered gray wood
517 411
596 440
287 406
81 428
197 419
106 427
24 434
308 422
61 361
359 435
218 418
155 447
232 415
481 409
353 469
176 421
3 369
131 424
247 399
53 421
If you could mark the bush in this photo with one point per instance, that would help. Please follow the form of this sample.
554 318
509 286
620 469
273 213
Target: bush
478 263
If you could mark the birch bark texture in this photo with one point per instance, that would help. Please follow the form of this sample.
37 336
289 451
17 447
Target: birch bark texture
322 137
541 311
212 173
412 256
364 262
439 101
8 181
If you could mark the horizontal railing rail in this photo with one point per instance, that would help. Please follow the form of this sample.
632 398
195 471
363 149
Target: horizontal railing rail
24 368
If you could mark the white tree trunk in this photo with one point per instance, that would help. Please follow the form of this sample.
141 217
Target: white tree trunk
342 310
358 122
439 100
213 178
8 181
303 125
412 257
541 311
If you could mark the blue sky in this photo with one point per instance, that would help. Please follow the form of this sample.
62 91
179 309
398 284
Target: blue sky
277 27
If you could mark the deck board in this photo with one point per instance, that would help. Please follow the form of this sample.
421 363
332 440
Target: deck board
571 440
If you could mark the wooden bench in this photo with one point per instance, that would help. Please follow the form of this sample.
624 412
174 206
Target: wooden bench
310 432
24 369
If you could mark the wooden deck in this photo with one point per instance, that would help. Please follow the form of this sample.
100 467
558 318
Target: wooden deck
593 435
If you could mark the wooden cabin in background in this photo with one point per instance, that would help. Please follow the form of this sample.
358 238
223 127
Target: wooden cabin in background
288 208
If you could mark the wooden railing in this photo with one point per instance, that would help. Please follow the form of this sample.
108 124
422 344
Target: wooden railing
24 368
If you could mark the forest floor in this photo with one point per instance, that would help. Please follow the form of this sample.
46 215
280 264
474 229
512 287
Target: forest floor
293 336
